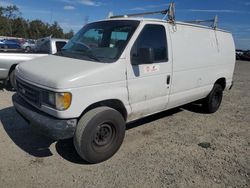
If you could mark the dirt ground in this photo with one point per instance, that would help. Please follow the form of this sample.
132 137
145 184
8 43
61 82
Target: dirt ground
159 151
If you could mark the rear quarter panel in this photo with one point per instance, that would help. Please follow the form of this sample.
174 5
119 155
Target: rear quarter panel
200 57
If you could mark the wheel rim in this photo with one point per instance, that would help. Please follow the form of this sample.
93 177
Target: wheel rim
103 136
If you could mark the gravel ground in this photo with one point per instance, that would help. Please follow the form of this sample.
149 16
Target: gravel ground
159 151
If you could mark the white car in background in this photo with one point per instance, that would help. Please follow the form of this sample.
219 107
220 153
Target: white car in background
8 61
29 45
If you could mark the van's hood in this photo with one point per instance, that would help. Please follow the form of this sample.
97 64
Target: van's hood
63 73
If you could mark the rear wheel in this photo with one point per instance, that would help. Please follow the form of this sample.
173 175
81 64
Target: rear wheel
213 101
99 134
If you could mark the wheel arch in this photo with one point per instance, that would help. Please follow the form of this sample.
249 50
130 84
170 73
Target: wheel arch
222 82
112 103
12 68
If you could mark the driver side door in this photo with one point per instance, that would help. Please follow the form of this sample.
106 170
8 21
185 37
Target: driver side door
149 71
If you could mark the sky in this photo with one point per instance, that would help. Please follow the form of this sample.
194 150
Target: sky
234 15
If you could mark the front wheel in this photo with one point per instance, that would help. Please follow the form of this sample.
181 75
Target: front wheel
213 101
12 80
99 134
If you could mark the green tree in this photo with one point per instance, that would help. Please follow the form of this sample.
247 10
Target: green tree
69 35
1 11
20 28
56 31
4 29
12 24
11 12
38 29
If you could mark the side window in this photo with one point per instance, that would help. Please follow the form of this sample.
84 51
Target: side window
60 45
150 46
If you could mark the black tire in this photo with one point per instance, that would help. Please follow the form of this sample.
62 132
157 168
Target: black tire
12 80
213 101
5 47
27 49
99 134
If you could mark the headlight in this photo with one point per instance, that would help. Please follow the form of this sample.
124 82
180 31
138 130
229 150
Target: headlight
59 101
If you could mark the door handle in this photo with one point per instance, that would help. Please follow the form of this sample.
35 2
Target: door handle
168 79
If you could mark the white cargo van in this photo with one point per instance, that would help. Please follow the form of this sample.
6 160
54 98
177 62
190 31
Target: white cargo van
118 70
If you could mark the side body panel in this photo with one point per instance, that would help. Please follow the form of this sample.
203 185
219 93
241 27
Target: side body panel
200 57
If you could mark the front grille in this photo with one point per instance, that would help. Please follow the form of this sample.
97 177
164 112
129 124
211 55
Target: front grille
29 92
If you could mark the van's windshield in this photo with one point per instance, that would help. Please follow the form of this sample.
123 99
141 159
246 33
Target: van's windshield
100 41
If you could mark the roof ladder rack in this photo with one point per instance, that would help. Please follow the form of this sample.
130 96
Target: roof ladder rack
168 13
213 21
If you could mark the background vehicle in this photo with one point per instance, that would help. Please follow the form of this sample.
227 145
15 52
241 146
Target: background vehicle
29 45
49 45
8 60
121 69
10 44
245 56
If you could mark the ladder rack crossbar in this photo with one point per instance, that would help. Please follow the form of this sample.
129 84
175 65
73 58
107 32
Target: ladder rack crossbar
213 21
141 14
169 15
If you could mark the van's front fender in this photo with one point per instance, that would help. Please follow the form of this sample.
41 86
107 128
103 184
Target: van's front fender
84 97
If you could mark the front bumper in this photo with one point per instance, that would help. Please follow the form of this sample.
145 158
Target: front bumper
54 128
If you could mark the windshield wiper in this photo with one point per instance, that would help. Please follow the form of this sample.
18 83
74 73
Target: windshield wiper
86 53
91 56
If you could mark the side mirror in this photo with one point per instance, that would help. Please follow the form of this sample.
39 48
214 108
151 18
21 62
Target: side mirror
143 56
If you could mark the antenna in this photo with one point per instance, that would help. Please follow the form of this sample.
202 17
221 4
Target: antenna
51 15
86 20
110 14
216 21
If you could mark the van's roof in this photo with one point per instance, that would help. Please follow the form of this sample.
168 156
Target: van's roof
164 21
